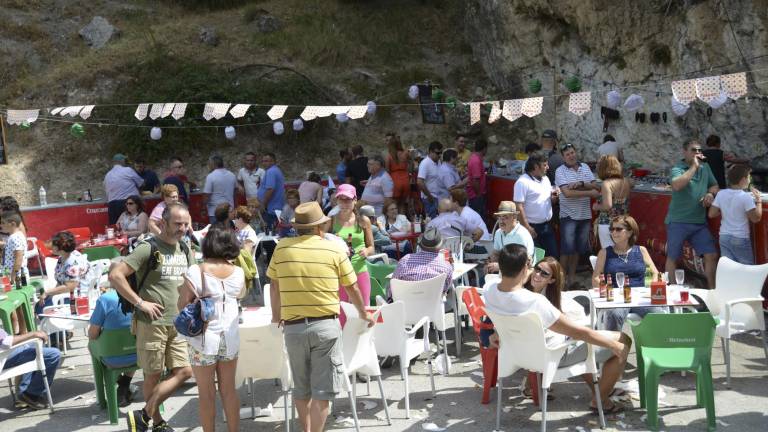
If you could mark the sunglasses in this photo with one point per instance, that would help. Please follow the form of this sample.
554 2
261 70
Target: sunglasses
697 150
616 229
130 203
566 147
541 271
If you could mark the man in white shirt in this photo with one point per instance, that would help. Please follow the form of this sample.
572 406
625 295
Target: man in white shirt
471 218
249 176
509 232
428 179
578 186
219 187
610 147
534 196
448 222
120 183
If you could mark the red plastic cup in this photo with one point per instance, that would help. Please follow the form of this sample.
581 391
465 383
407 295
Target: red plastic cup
684 296
82 305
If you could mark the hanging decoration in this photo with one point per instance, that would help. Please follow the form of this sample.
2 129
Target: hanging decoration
684 91
678 107
718 101
71 110
734 85
77 130
342 117
239 110
276 112
167 109
156 133
371 107
20 117
85 113
278 128
580 103
229 132
179 110
708 88
309 113
534 85
437 94
573 84
25 125
474 113
141 112
634 102
215 110
531 107
357 111
495 112
613 99
413 91
450 102
298 125
57 110
156 111
512 109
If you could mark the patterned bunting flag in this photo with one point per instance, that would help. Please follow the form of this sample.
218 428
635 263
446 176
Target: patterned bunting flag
276 112
167 109
155 111
580 103
708 88
512 109
141 112
684 91
57 110
357 112
239 110
85 113
474 113
179 110
21 116
495 112
735 85
532 106
309 113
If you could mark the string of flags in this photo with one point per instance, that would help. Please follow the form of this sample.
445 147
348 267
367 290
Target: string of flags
713 90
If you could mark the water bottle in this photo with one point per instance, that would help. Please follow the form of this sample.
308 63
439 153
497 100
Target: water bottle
43 200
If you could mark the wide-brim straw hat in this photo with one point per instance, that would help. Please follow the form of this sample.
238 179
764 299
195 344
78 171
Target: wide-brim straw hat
308 214
506 207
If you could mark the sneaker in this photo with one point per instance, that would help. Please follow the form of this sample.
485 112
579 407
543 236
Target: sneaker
138 421
163 426
34 402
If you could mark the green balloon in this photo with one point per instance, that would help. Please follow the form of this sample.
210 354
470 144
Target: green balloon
437 94
77 130
450 102
25 125
534 85
573 84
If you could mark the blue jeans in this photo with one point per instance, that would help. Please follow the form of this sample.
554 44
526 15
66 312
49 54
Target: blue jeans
32 383
574 236
614 318
737 248
430 208
545 238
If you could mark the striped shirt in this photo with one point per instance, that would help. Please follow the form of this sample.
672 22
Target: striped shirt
309 270
574 208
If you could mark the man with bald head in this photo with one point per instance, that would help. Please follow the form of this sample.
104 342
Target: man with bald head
448 222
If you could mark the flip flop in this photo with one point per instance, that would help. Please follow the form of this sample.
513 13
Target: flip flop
614 409
617 392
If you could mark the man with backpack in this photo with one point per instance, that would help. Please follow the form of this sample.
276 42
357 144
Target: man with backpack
147 281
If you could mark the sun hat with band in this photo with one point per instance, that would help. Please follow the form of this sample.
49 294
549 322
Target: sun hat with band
505 208
308 215
346 191
431 240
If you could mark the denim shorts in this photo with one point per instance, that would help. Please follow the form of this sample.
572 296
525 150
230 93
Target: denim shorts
698 236
737 248
574 236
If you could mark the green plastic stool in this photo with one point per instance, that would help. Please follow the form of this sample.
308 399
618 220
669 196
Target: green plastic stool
110 343
101 252
674 342
16 299
379 279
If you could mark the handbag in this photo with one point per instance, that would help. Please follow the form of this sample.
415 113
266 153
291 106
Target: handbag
193 319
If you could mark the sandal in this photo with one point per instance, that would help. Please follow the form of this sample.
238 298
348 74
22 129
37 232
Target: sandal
613 409
617 392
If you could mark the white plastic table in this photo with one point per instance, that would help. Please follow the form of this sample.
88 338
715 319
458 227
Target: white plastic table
59 319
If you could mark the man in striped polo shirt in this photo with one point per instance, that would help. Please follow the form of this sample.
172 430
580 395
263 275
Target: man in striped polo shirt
577 186
306 273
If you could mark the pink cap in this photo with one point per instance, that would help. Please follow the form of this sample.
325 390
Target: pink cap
346 191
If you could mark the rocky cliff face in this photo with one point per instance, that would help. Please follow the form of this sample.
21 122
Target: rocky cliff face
631 44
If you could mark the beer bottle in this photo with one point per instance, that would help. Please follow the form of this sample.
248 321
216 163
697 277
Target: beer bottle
602 286
609 290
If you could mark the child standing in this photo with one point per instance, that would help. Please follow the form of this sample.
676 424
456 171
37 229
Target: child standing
738 208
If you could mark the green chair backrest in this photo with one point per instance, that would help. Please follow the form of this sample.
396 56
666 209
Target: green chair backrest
13 300
112 343
101 252
538 254
688 330
380 272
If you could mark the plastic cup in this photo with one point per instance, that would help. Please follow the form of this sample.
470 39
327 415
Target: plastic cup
684 295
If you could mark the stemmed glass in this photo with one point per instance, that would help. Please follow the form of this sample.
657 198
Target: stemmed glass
620 279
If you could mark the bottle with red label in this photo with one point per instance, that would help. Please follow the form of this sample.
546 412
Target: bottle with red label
602 286
72 303
609 289
659 291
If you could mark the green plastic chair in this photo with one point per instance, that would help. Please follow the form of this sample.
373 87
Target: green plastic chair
101 252
538 254
674 342
16 299
109 344
379 279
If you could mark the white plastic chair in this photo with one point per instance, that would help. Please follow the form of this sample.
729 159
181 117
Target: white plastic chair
522 346
37 364
423 298
33 252
263 356
593 261
582 298
200 234
50 272
392 338
737 302
382 256
482 257
491 280
360 355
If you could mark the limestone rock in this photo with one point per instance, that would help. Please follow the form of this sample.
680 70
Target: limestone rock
209 36
267 23
98 32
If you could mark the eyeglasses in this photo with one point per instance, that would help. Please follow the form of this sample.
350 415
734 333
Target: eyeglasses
542 272
566 147
616 229
130 203
696 150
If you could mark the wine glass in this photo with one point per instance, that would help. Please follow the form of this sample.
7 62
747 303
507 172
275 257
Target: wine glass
620 279
679 276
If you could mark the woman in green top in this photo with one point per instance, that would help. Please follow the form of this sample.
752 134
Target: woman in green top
356 232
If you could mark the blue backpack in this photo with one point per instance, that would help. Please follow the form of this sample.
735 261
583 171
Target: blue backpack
193 319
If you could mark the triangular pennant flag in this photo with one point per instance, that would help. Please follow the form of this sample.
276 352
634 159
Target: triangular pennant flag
357 112
239 110
71 110
208 111
735 85
179 110
309 113
156 110
324 111
167 109
21 116
474 113
532 106
684 91
85 113
220 110
495 112
708 88
340 109
141 111
580 103
56 110
512 109
276 112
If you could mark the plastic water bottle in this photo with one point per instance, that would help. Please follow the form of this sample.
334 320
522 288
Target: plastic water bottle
43 200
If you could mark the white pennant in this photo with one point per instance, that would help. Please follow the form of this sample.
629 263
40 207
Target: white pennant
309 113
56 110
239 110
85 113
71 110
495 112
684 91
156 110
532 106
340 109
277 112
735 85
708 88
220 110
141 111
21 116
167 109
324 111
179 110
580 103
357 112
474 113
512 109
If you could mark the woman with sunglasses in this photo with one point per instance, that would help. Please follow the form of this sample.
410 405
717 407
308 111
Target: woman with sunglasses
133 221
548 280
624 257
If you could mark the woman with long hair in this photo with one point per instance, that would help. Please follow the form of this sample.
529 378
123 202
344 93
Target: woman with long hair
614 196
134 222
396 164
548 279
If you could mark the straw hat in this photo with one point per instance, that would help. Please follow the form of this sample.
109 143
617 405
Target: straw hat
506 207
308 214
